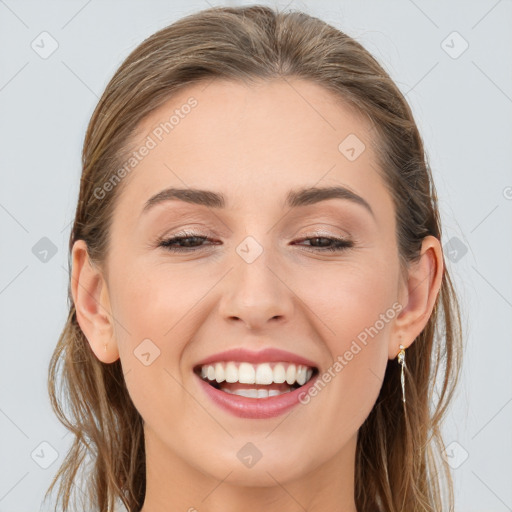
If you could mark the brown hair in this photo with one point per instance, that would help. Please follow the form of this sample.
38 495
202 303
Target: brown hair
398 463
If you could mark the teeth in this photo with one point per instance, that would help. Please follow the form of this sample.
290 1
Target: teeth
219 373
291 374
246 374
249 393
255 393
263 374
231 373
279 373
301 375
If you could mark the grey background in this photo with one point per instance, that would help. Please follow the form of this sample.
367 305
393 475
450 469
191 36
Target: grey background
462 103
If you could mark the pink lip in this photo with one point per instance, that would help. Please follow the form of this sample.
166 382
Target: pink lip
256 408
267 355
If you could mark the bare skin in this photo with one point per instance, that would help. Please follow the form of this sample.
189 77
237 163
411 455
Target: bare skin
253 144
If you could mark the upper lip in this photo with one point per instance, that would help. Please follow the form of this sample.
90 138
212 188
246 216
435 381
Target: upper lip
267 355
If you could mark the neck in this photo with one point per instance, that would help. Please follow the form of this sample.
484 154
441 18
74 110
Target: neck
173 484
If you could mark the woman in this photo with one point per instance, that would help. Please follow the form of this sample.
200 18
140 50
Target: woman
261 317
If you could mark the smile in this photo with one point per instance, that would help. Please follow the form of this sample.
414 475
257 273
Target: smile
255 380
255 390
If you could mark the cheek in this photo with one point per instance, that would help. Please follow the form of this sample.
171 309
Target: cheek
153 311
352 304
154 302
356 316
158 312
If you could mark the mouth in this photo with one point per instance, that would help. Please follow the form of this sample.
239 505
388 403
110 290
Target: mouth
256 381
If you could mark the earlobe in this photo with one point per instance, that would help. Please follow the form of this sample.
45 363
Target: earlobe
92 305
418 295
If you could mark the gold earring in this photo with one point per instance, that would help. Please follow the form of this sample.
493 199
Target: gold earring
105 347
401 360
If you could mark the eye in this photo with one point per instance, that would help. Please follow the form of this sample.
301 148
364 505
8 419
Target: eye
336 244
189 242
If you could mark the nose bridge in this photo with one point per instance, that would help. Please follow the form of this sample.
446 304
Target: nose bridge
254 292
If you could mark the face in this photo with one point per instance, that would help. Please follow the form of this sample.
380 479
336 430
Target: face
254 272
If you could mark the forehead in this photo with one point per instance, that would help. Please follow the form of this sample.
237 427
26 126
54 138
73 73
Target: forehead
256 141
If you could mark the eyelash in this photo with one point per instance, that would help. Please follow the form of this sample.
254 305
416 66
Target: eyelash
340 244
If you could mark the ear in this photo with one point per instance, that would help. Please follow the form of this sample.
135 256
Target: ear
92 304
418 295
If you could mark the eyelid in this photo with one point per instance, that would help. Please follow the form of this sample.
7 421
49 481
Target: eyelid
318 226
320 233
187 230
333 231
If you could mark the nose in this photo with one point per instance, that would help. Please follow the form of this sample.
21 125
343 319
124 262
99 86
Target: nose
256 295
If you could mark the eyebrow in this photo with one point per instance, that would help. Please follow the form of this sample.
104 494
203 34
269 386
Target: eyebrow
294 199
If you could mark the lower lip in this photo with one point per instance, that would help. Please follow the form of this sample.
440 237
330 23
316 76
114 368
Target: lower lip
256 408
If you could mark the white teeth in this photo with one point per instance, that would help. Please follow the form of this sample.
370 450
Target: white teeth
219 373
231 372
263 374
262 393
246 374
291 374
301 375
255 393
249 393
279 373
